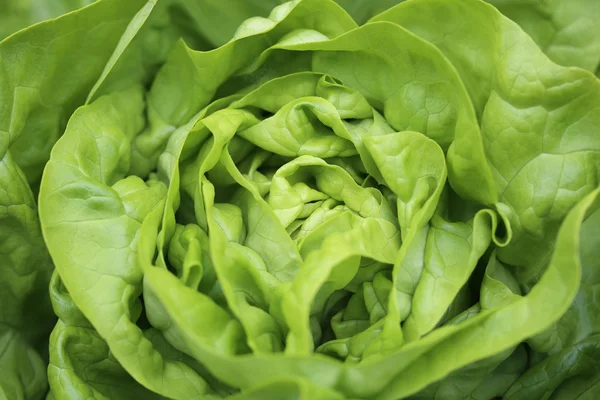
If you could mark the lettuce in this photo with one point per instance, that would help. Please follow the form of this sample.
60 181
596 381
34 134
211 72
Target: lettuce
311 209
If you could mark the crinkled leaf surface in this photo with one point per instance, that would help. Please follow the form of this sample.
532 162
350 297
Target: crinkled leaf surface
313 210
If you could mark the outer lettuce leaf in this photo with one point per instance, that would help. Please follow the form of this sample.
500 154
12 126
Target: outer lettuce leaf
25 316
36 102
80 361
569 366
566 31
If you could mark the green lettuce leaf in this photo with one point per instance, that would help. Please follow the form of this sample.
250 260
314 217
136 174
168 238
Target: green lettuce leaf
565 30
247 202
36 102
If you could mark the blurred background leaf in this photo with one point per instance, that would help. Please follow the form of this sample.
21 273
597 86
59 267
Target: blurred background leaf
19 14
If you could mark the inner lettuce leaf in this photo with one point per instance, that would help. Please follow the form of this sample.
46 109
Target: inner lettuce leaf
316 209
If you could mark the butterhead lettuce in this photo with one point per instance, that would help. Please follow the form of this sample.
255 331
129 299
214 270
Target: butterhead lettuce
310 209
